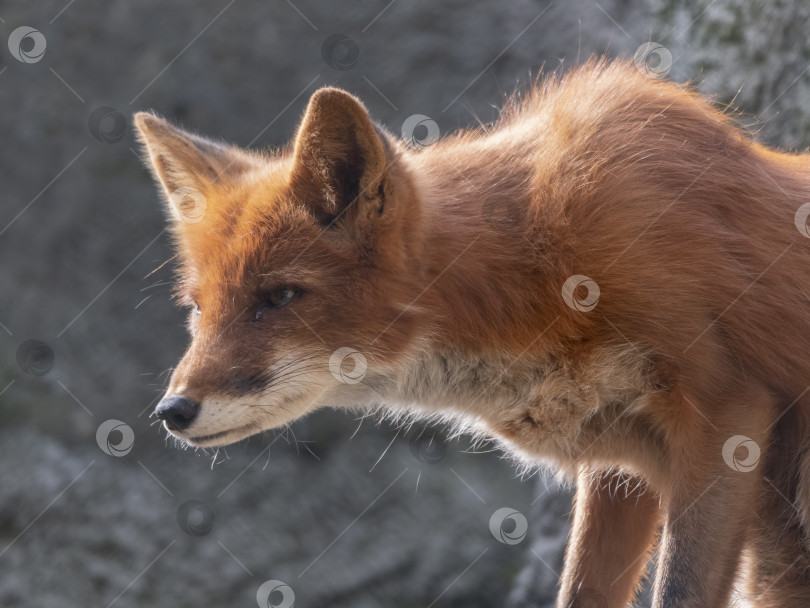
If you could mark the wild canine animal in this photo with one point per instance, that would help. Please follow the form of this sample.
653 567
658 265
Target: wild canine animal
612 278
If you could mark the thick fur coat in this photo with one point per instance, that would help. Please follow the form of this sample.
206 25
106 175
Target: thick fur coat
613 279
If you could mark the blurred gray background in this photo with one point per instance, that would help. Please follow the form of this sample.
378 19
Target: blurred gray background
320 509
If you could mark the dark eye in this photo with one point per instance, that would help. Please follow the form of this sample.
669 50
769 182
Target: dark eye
277 298
197 310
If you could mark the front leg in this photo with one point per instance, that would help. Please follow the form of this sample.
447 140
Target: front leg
713 498
615 520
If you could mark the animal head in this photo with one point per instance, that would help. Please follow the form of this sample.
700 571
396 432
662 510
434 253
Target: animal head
294 267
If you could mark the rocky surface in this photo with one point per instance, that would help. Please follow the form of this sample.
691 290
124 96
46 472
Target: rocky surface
80 527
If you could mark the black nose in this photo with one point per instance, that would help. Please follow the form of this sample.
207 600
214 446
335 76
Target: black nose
177 412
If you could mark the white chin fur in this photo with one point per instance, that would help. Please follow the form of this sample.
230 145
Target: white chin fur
217 439
222 420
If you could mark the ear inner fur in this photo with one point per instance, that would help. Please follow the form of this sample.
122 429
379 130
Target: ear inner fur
340 157
180 159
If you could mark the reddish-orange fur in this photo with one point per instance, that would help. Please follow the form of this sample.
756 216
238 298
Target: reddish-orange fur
445 268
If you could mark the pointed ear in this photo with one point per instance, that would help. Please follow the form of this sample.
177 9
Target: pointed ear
186 165
340 156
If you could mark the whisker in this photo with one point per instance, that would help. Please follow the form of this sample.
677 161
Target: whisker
385 451
358 427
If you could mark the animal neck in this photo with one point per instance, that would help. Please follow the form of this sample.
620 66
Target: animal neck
488 274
